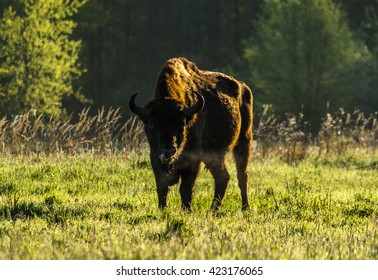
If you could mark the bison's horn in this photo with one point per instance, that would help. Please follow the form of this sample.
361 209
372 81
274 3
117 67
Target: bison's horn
141 112
196 108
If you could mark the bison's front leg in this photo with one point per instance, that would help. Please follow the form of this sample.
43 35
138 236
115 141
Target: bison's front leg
162 192
188 178
221 178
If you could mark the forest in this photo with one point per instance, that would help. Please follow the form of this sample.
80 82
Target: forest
307 57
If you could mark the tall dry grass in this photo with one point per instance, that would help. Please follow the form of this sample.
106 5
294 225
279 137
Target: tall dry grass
343 131
106 132
289 138
103 132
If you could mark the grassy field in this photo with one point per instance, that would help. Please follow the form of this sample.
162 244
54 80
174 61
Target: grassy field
105 207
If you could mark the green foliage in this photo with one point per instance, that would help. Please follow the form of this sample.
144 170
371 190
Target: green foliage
363 80
362 16
105 207
38 59
300 56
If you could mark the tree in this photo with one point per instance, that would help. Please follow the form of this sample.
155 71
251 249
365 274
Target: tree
362 16
38 60
303 51
363 19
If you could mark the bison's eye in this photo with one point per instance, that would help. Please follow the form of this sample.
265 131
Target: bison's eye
151 127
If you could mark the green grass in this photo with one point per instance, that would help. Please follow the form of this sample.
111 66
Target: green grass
105 207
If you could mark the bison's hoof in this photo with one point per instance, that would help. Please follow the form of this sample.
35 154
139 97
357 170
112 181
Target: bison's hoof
214 207
186 208
245 207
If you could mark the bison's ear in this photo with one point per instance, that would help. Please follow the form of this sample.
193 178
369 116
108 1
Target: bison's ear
196 108
142 113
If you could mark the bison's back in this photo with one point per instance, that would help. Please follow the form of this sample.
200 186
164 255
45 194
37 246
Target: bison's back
180 77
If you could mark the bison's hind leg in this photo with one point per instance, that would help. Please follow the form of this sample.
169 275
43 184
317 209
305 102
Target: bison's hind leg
241 155
242 151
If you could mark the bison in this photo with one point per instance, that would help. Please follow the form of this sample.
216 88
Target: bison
197 116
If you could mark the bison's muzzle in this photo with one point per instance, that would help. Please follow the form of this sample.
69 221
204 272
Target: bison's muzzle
166 155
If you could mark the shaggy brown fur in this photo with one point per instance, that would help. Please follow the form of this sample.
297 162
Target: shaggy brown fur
219 121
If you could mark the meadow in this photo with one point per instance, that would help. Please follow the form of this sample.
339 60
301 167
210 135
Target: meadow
105 207
308 201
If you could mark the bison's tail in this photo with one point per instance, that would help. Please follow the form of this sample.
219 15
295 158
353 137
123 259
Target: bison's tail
246 113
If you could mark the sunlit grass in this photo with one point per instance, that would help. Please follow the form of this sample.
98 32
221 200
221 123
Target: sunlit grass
105 207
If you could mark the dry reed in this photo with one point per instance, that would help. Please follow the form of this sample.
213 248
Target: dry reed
290 139
107 132
102 133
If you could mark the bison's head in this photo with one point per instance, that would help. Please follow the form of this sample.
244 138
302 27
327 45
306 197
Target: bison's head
166 123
